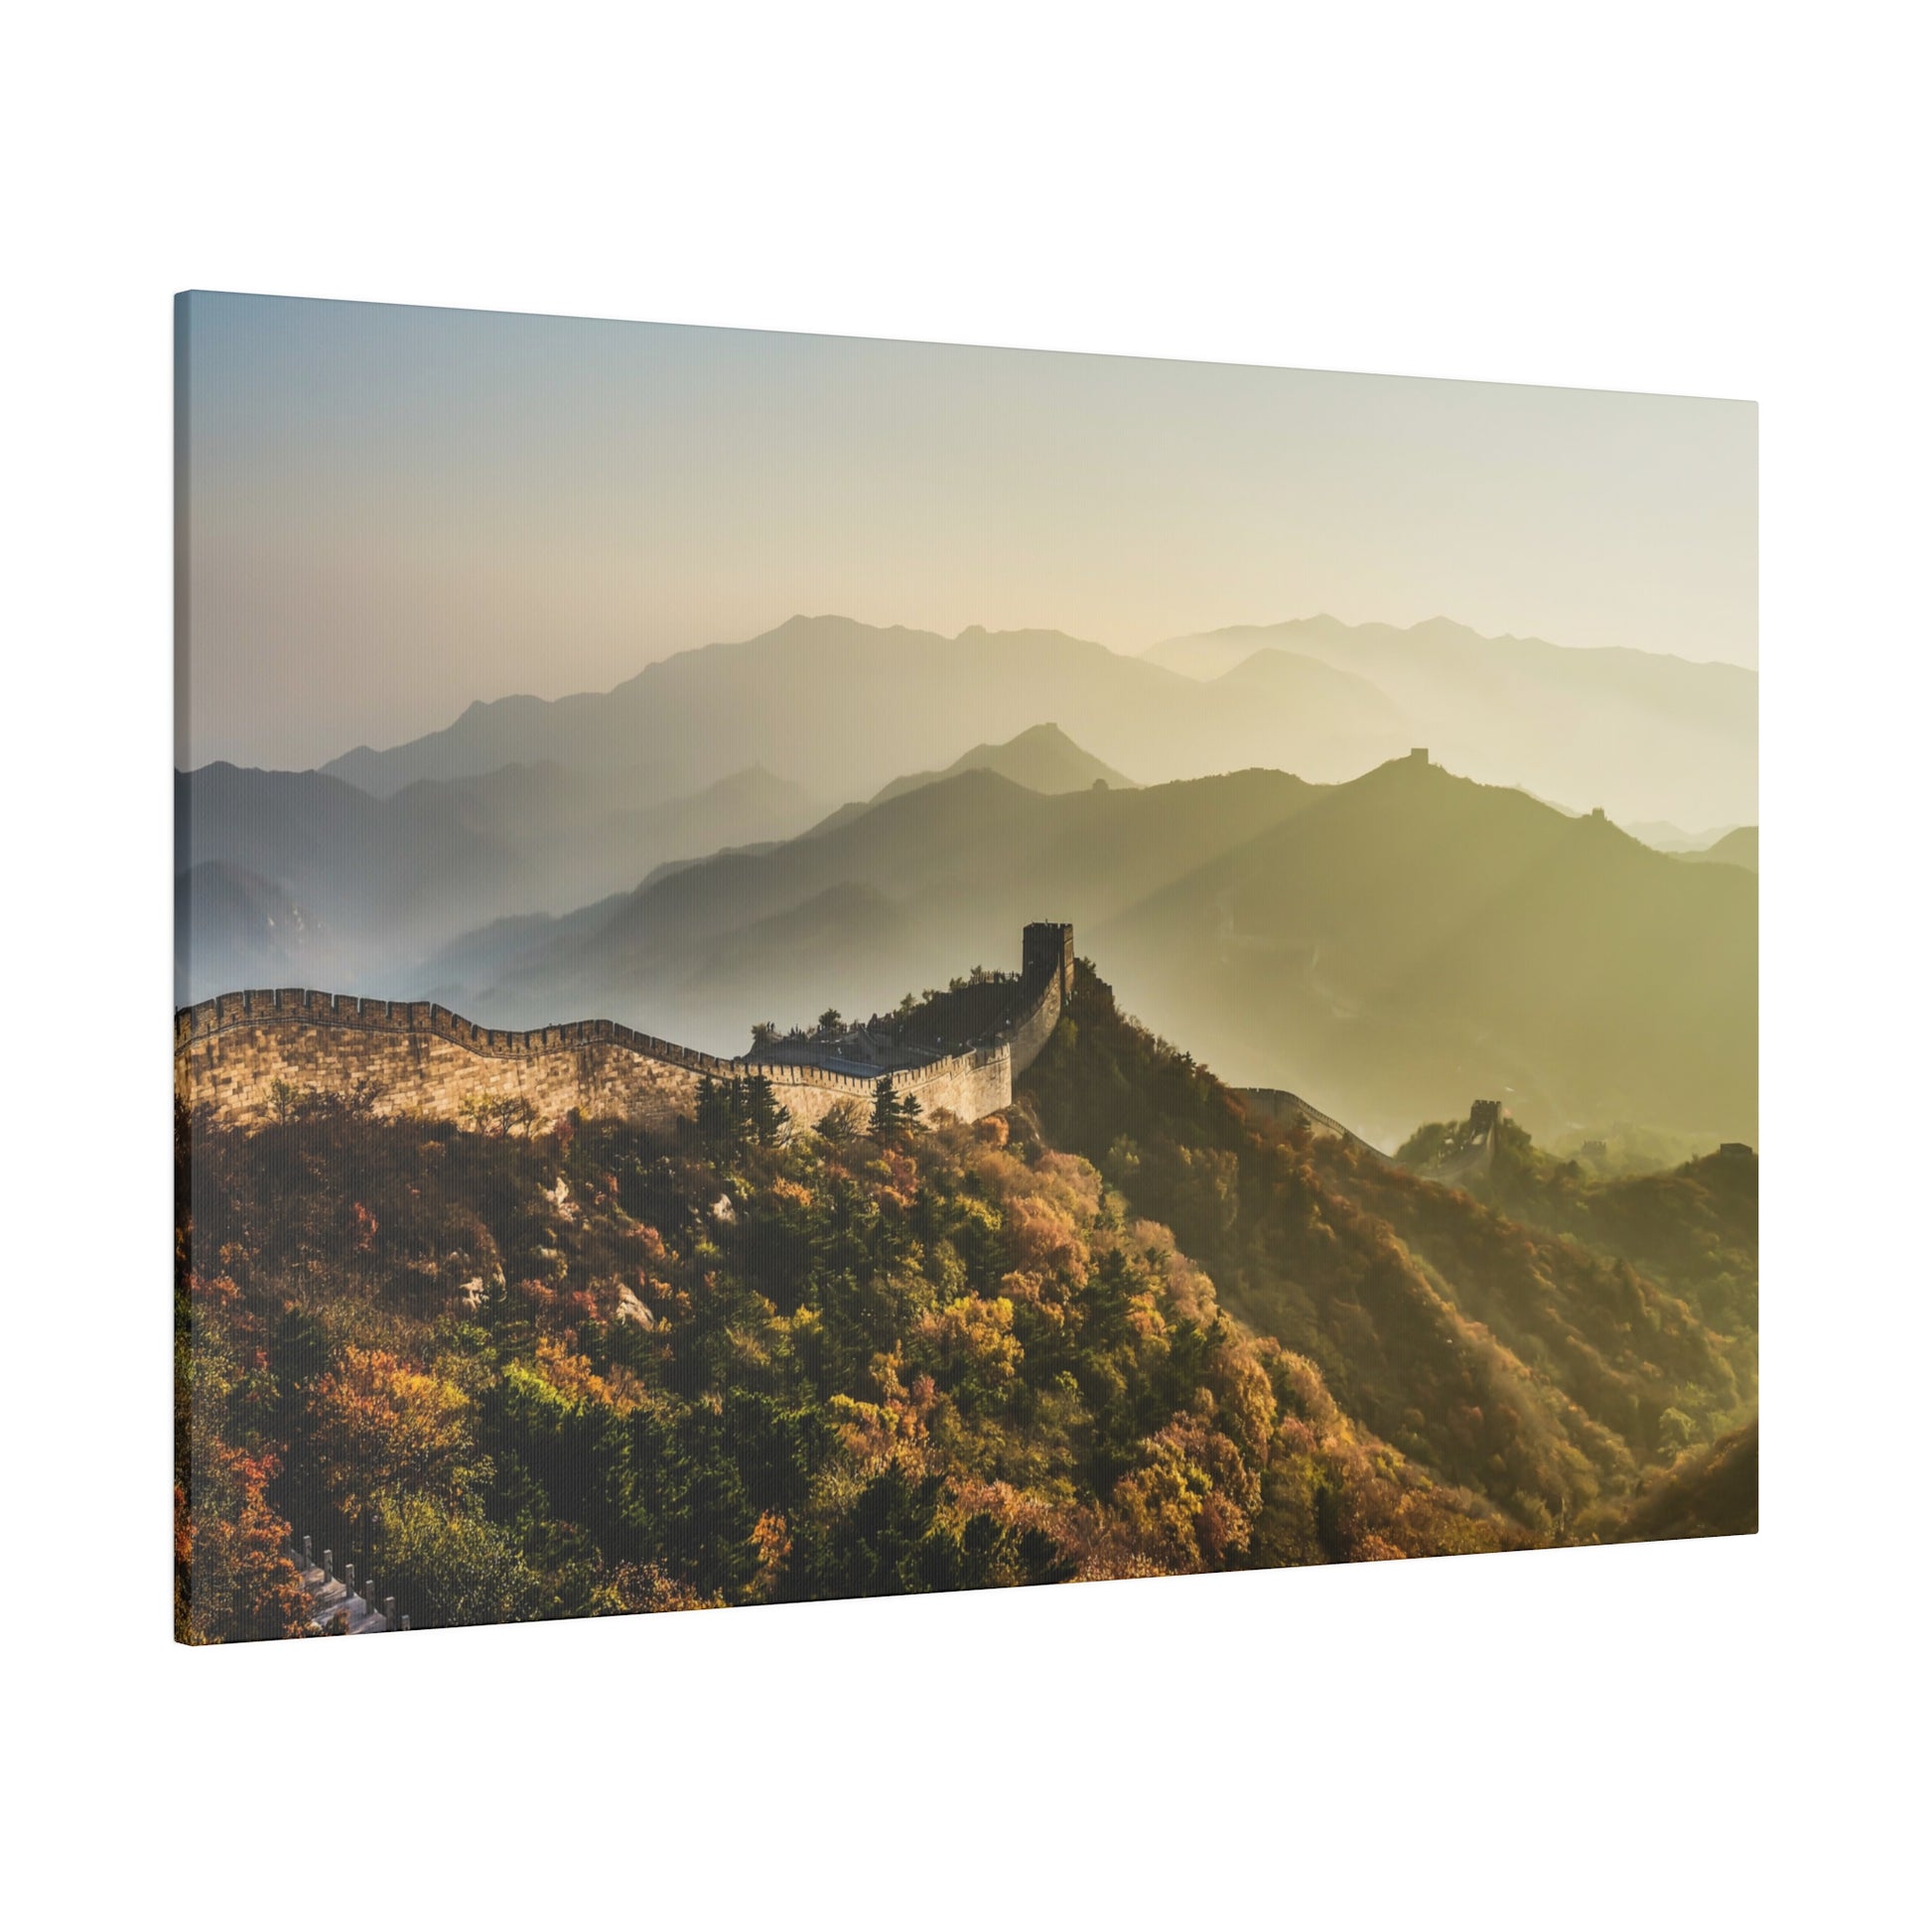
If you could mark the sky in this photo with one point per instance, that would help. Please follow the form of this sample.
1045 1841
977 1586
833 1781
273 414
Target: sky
386 514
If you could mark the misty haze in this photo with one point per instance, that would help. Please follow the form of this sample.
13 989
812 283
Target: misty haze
1395 972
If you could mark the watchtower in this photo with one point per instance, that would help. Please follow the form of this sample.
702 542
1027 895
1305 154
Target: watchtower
1047 952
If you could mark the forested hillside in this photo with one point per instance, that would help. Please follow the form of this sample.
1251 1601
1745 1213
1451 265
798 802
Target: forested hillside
520 1374
520 1370
1549 1366
1692 1227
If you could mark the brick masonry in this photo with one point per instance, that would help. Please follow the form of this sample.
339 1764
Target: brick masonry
231 1051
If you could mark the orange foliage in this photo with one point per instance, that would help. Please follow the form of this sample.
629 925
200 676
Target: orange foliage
384 1427
235 1578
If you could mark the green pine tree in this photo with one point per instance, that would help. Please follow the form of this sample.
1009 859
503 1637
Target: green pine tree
763 1112
722 1125
885 1110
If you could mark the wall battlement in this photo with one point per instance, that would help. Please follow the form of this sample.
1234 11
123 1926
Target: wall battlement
236 1051
298 1005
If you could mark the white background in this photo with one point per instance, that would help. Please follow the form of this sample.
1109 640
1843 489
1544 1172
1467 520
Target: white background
1708 200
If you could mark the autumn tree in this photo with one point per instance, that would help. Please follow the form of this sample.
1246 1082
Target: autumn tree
385 1428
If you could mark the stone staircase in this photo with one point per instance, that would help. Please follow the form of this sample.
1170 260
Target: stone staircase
336 1608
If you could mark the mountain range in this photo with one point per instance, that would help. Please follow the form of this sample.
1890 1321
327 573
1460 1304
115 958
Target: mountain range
842 708
381 883
1288 889
1392 947
1603 727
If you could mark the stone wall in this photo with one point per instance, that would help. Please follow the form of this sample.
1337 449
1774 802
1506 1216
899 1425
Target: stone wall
1276 1103
1048 957
231 1053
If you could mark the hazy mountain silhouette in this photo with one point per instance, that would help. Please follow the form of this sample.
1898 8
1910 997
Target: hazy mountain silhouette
1390 944
1735 848
394 879
496 952
965 860
1392 947
840 706
1644 734
1042 758
1414 935
1661 834
235 928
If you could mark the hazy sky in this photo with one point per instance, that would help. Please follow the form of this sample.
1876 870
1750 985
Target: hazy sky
390 513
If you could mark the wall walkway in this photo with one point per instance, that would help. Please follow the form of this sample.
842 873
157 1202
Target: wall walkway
239 1052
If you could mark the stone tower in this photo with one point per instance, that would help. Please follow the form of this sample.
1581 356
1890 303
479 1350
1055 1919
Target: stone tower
1047 952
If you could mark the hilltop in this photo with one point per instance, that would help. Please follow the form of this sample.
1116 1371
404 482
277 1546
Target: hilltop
1042 758
841 707
1735 848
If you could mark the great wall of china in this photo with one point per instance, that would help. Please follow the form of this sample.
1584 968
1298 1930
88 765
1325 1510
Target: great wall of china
240 1052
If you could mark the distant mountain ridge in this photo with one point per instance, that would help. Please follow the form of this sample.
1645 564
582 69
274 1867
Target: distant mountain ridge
1392 947
1603 725
1665 837
1736 848
242 929
393 879
841 707
1212 653
1414 934
1042 758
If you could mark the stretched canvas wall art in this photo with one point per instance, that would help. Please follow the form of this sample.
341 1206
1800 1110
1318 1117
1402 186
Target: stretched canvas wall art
812 968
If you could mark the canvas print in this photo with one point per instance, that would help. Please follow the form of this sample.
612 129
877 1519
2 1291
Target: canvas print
816 968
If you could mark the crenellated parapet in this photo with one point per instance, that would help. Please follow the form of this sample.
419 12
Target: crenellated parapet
243 1053
299 1006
